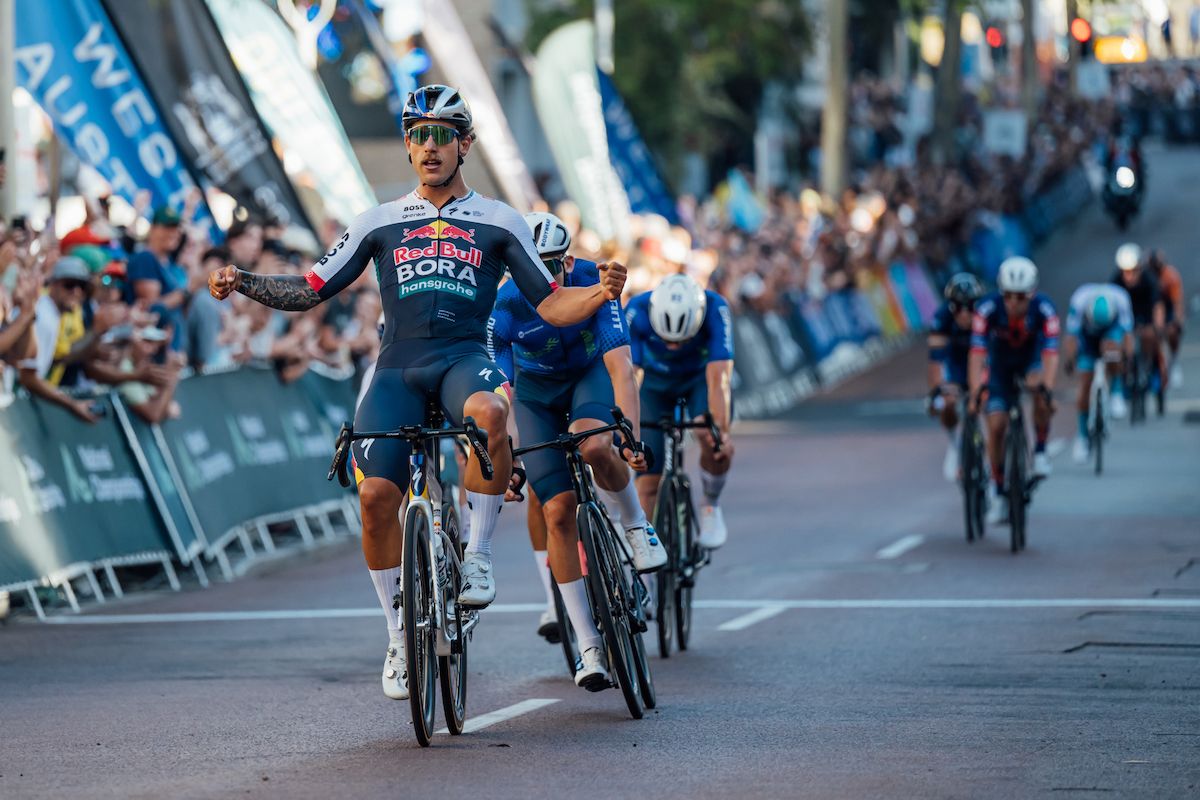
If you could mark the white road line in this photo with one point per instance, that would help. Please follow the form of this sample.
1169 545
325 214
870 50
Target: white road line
754 617
512 608
500 715
900 546
257 616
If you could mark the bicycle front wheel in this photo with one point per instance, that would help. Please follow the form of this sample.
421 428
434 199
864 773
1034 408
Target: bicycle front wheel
609 600
1015 478
690 556
1098 431
452 669
966 463
567 639
418 624
666 579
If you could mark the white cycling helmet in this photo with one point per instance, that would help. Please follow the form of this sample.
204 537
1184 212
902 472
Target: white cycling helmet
551 238
436 102
1017 274
677 308
1129 255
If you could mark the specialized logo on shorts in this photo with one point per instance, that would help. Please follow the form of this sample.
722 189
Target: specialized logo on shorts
486 373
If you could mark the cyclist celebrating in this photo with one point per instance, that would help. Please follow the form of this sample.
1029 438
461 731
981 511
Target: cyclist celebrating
440 253
949 347
566 377
1149 313
1170 282
1099 321
1016 331
682 340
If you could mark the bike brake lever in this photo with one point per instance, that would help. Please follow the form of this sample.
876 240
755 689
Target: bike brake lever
341 451
714 430
478 439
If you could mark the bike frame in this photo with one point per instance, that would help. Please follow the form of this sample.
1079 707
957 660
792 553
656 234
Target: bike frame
425 496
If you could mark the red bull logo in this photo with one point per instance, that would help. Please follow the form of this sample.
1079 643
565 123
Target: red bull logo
439 229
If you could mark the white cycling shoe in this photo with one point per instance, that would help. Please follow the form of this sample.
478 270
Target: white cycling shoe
591 674
548 627
479 589
1117 406
712 528
1176 379
1080 451
395 671
1041 465
648 552
997 513
950 462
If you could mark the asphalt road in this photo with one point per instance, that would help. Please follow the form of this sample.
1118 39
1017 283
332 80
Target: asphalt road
898 661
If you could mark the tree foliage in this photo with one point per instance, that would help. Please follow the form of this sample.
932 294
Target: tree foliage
692 71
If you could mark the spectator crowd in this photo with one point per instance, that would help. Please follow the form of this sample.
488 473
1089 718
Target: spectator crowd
101 310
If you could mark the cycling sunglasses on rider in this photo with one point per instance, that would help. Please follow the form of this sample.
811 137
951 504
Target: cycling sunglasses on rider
556 266
955 308
442 135
1017 296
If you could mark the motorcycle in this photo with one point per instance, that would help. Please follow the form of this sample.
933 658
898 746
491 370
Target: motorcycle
1122 194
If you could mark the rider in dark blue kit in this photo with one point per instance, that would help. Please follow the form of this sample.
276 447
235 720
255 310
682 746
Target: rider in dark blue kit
682 340
564 379
949 346
1016 331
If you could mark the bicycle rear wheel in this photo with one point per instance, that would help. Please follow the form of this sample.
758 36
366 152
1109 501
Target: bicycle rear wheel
609 602
666 579
452 669
567 640
418 624
690 557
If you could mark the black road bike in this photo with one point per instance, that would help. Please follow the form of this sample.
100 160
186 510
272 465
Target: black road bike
677 527
436 628
617 598
1019 482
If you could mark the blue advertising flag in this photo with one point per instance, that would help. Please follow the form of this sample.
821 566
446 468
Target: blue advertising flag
632 160
69 58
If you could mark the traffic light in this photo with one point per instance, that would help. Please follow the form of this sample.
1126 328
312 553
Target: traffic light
995 38
1081 31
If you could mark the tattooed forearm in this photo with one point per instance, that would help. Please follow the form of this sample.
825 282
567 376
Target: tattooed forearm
285 292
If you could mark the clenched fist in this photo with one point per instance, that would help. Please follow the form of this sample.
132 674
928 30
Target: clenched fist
612 279
223 282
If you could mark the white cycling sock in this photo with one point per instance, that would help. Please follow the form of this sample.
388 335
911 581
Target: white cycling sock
543 568
574 597
485 510
387 587
712 485
626 502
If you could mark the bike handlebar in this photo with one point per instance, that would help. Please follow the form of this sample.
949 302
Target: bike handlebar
413 434
571 441
707 423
